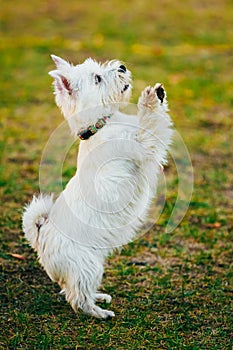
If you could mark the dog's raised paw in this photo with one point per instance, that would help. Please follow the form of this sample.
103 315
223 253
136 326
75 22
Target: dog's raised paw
147 99
151 97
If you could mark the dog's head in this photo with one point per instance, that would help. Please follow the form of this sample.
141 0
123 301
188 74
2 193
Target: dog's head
88 91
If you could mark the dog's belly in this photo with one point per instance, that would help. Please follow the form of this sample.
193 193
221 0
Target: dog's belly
107 205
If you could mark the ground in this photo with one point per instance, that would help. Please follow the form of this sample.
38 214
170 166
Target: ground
170 290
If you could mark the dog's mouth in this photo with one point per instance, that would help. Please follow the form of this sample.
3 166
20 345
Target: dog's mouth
125 88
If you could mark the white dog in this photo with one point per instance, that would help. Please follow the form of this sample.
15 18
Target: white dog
105 203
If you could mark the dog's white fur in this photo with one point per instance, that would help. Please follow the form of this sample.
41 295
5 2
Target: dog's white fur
107 200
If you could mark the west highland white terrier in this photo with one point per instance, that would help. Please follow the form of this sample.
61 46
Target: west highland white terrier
106 202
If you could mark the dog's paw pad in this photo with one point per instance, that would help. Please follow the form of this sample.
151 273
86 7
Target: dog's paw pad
160 92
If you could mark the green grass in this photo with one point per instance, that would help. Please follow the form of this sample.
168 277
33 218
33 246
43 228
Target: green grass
170 291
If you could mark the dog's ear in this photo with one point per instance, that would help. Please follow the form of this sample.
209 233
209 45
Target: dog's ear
60 63
61 81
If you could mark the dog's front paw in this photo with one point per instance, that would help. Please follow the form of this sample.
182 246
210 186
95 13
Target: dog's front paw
151 97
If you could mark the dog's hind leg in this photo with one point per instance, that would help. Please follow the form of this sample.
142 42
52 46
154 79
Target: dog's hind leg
94 310
81 285
87 304
103 297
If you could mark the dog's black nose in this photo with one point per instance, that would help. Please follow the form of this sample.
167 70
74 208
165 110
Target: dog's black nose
122 69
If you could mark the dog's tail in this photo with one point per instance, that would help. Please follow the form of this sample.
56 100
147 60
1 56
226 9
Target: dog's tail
35 215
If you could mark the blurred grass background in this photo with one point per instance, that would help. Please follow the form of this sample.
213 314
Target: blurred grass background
179 295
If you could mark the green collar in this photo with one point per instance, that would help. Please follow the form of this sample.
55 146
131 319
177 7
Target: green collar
85 134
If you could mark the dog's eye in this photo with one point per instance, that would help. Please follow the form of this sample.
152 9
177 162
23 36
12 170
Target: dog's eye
97 79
